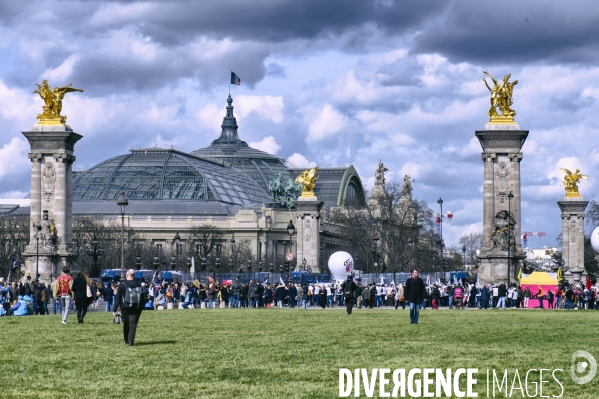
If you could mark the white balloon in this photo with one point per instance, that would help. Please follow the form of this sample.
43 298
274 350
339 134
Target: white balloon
338 263
595 239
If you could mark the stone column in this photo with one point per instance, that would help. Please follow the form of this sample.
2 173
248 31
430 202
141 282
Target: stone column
308 212
36 192
501 144
52 148
572 236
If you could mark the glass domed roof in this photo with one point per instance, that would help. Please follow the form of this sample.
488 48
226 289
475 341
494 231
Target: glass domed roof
163 174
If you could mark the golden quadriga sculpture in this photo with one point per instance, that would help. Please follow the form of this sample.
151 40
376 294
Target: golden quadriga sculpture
308 180
53 103
571 181
501 99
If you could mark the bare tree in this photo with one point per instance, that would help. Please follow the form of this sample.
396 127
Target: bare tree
472 242
14 237
396 220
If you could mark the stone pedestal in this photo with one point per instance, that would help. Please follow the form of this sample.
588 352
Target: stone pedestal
50 237
573 236
308 231
501 144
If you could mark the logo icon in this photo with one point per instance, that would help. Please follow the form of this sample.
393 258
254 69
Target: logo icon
578 367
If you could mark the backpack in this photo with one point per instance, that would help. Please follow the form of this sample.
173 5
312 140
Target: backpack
133 297
347 290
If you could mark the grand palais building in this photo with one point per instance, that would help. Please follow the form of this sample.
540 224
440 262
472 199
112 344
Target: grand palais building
224 185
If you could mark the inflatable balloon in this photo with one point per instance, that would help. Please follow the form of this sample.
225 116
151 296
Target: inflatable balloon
595 239
340 264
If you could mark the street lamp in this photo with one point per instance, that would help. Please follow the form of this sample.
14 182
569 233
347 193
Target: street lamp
376 239
231 259
177 240
290 230
304 263
464 255
440 202
94 251
272 267
173 263
122 202
410 251
509 238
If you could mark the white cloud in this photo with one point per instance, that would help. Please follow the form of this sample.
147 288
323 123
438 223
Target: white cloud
327 123
267 144
300 161
63 71
13 157
268 107
210 116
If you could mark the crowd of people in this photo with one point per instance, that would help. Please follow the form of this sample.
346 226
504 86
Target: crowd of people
37 298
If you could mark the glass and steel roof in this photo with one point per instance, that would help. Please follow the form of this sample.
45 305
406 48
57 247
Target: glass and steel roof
167 174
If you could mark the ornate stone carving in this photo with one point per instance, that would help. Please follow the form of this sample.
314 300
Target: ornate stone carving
488 156
48 181
502 229
307 230
515 156
35 157
64 158
46 231
503 182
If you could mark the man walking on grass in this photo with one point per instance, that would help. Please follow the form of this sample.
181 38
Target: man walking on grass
349 287
415 293
130 298
61 289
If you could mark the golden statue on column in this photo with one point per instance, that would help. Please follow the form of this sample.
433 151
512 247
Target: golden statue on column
571 181
308 180
501 98
53 103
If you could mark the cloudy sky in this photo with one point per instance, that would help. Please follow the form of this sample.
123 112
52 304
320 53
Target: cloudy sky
322 82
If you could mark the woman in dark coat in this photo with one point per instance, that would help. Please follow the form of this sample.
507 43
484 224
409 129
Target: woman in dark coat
82 301
323 297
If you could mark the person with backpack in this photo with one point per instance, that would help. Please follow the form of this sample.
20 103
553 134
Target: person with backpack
349 287
130 299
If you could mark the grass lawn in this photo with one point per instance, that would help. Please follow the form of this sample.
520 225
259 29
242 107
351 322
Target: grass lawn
273 353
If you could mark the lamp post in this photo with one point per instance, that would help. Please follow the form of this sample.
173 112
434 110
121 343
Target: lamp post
410 251
156 264
440 202
509 238
304 263
290 230
231 259
376 239
217 261
464 255
173 263
94 251
272 267
122 202
177 240
138 262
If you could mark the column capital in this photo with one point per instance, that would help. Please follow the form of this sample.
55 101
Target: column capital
488 156
35 157
64 158
515 156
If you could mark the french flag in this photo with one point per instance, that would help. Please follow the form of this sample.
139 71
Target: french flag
235 79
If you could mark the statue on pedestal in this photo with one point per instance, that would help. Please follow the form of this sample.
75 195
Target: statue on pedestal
46 232
571 181
501 97
53 100
283 195
308 180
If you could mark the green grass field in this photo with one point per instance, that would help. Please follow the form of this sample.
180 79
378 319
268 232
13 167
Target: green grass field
273 353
